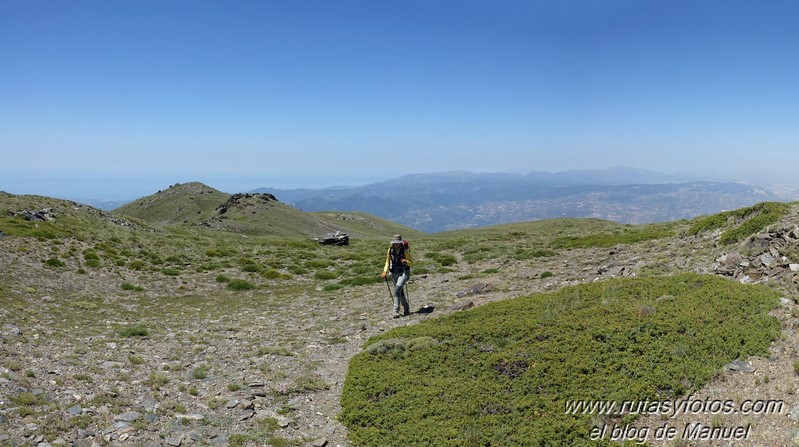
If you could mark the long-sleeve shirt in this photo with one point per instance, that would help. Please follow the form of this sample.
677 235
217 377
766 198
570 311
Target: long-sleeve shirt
402 254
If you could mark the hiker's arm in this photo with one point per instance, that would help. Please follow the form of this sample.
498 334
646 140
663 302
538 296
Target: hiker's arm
408 258
385 267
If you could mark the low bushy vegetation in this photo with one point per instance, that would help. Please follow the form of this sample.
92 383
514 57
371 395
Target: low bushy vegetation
239 284
134 331
628 235
741 223
501 374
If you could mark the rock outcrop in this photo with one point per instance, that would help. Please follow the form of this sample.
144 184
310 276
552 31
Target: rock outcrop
772 255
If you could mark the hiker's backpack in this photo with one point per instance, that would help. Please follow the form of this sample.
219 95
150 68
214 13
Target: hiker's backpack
406 248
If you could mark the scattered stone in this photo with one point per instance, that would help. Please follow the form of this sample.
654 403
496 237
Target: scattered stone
739 365
130 416
85 433
10 329
174 442
74 410
283 422
193 435
150 405
462 306
125 433
247 404
221 440
321 442
794 413
111 365
190 417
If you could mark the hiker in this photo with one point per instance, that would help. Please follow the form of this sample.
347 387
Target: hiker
398 262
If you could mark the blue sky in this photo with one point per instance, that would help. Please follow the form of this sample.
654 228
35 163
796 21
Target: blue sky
123 98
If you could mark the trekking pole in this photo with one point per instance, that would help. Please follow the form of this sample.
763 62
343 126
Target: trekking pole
407 295
390 295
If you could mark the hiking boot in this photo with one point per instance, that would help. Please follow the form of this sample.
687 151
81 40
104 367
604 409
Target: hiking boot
395 315
406 313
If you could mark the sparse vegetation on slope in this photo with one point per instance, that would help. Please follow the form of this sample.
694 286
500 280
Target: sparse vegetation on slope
197 328
501 374
741 223
630 234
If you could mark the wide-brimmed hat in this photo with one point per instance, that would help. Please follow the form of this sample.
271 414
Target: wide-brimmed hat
397 239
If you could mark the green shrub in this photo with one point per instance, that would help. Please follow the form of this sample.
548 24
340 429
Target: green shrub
326 274
546 274
84 377
534 254
222 278
156 380
317 264
134 331
131 287
443 259
275 350
170 271
240 284
136 265
27 399
236 440
200 372
84 305
93 263
628 235
54 262
298 270
502 373
271 274
744 221
251 268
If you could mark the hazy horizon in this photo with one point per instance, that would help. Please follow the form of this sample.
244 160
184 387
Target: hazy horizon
120 99
93 191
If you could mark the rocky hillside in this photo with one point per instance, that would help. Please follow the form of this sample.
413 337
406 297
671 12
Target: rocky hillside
196 204
117 332
187 203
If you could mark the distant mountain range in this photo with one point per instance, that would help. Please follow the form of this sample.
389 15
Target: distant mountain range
453 200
